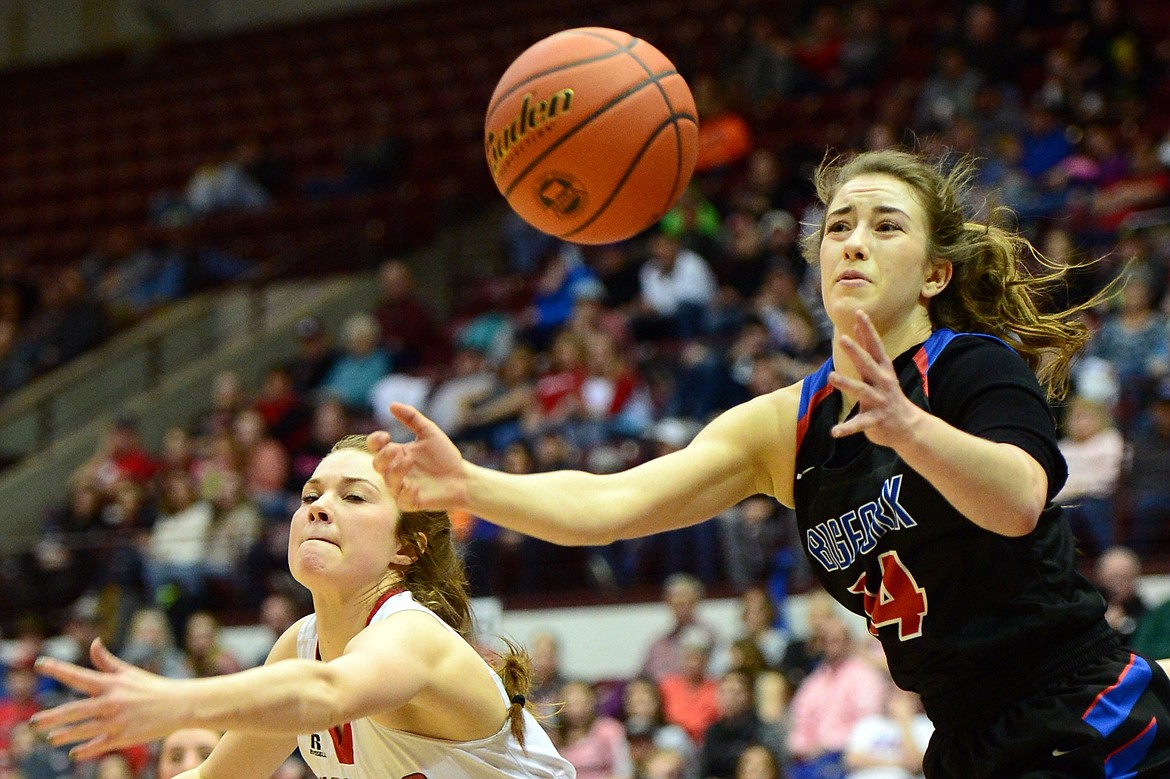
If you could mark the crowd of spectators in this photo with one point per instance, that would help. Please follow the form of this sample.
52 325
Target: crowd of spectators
599 357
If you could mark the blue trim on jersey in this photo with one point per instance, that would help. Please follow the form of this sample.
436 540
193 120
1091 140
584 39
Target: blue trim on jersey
1121 764
940 338
812 384
1114 705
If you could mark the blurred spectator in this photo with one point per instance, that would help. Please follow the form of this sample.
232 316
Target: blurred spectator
557 391
236 525
467 378
122 455
1094 450
19 699
682 594
150 645
1116 576
204 650
1133 339
770 73
315 355
819 43
737 728
690 698
760 624
1146 483
890 745
264 462
841 690
410 332
496 415
695 221
175 568
665 764
547 693
948 93
677 289
614 400
1045 143
758 762
617 271
228 398
185 750
990 49
330 422
283 409
278 611
759 544
222 183
866 49
359 367
562 273
595 745
647 729
1117 50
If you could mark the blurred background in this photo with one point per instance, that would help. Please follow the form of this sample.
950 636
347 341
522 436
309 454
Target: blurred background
231 232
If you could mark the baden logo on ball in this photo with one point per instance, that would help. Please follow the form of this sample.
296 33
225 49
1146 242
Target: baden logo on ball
591 135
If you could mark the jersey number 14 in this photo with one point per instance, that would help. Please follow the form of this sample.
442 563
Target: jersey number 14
898 599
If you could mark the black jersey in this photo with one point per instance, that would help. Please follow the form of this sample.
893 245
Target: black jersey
957 608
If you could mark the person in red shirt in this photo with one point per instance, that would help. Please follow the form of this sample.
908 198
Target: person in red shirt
690 698
19 701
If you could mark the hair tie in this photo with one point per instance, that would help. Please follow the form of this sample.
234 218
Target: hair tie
518 700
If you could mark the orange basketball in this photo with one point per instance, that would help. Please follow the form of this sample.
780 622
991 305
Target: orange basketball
591 135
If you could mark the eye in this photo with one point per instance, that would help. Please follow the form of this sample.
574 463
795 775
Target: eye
836 227
355 498
308 497
887 226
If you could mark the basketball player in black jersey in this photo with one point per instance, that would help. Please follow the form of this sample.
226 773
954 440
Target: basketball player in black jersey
921 461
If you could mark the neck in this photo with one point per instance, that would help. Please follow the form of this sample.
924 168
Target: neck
341 615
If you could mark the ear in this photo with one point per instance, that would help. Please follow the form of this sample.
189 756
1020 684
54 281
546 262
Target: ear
937 278
410 549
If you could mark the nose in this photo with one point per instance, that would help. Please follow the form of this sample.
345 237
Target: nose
318 512
854 247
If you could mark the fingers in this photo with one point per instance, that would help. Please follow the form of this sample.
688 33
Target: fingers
80 679
411 417
105 660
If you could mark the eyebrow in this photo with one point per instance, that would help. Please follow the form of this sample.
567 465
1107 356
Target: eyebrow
345 481
880 209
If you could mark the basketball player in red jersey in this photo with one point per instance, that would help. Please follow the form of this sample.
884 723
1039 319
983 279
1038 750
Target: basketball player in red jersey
378 683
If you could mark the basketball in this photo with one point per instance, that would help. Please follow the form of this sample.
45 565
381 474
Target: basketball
591 135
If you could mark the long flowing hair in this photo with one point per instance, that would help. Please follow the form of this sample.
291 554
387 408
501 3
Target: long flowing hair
1001 284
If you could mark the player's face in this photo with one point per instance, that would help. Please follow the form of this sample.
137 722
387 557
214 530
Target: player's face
185 749
346 527
873 254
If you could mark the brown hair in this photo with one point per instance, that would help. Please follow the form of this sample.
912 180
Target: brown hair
437 580
993 290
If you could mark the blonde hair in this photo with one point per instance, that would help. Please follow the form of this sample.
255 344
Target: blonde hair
437 580
992 290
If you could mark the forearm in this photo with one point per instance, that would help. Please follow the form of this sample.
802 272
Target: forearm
996 486
577 508
282 698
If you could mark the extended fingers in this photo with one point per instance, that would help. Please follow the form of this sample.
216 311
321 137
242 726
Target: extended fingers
81 679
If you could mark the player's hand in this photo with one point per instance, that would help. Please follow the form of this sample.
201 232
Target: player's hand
885 414
426 473
125 705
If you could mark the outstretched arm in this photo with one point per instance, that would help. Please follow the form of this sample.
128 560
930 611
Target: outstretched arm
746 451
998 486
382 669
